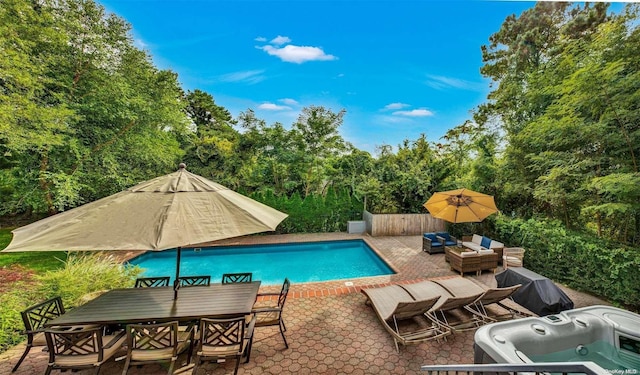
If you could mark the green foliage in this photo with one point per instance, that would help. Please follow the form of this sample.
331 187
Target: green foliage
12 302
85 273
316 212
581 261
39 261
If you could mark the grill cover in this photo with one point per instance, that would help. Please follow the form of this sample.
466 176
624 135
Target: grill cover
537 293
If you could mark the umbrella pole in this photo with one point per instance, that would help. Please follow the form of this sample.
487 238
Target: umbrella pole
176 282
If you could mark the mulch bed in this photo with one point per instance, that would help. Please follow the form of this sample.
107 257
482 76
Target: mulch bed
13 274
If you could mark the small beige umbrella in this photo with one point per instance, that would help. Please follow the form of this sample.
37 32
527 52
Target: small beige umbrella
461 206
177 210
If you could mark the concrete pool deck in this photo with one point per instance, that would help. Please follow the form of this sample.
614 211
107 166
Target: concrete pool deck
330 330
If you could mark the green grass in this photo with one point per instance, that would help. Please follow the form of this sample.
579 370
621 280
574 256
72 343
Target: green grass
38 261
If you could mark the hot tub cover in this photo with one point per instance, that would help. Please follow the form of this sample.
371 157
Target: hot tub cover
537 293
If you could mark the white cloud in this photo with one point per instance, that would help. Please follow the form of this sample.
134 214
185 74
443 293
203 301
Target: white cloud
289 101
273 107
442 82
280 40
298 54
393 106
260 39
421 112
247 76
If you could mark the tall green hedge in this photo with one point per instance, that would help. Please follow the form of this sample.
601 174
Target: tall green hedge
581 261
315 212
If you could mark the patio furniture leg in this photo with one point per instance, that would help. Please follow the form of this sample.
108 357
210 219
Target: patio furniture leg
24 355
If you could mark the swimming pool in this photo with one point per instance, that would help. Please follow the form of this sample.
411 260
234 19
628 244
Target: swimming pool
271 263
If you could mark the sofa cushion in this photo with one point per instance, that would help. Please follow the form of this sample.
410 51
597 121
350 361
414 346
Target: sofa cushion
465 254
495 245
486 242
472 245
476 239
485 251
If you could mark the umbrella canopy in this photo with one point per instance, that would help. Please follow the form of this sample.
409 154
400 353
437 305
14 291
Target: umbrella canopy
177 210
461 206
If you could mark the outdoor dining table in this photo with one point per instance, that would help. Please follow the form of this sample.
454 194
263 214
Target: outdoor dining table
138 305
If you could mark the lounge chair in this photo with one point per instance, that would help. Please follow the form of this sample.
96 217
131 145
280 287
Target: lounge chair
449 312
392 303
431 244
446 239
459 286
513 257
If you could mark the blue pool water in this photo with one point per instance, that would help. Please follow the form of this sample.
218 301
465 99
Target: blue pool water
300 262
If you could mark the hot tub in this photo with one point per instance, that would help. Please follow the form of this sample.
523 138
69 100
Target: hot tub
606 335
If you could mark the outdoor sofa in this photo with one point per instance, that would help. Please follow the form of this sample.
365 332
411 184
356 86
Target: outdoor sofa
482 243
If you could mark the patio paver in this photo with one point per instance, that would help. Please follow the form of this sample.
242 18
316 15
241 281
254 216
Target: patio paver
330 330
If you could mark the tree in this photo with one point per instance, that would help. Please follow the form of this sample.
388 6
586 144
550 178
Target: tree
318 139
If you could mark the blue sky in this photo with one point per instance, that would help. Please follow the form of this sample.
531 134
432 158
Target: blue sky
398 68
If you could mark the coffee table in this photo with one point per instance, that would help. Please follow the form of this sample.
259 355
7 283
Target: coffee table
465 260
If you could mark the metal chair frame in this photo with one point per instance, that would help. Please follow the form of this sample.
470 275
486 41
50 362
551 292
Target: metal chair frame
145 339
187 281
152 282
274 313
231 278
34 319
228 338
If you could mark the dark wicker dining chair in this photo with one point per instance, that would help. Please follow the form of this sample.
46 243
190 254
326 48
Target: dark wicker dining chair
34 318
152 282
186 281
232 278
268 314
220 339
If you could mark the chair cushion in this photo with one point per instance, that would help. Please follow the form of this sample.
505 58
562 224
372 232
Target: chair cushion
431 236
219 351
476 239
486 242
39 339
444 235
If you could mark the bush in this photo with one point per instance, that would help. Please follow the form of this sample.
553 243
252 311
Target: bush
17 299
85 273
579 260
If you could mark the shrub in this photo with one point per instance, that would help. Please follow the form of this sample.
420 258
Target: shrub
12 302
579 260
85 273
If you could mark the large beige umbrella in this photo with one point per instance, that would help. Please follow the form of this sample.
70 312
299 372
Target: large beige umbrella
177 210
461 206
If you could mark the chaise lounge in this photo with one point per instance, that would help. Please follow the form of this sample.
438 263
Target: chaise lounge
392 303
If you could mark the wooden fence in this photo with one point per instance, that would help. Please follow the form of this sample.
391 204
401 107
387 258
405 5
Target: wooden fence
401 224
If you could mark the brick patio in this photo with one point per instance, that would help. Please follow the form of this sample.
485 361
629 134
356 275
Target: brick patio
330 330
